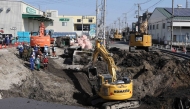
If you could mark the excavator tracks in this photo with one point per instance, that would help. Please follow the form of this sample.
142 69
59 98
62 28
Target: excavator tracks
122 104
104 104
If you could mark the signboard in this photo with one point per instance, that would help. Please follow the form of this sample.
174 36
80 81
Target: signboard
30 10
64 19
92 31
137 28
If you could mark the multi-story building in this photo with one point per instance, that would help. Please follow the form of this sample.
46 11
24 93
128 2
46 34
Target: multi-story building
64 23
159 25
88 23
20 16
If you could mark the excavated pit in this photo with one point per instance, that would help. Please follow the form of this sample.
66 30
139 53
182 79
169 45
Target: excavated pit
158 79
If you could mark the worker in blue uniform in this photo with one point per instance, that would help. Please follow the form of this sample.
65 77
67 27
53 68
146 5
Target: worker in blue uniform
32 63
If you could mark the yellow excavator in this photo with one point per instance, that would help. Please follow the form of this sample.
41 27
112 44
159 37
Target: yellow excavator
117 35
111 92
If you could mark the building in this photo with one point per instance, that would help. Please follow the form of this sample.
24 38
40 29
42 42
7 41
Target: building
88 23
159 25
59 23
64 23
20 16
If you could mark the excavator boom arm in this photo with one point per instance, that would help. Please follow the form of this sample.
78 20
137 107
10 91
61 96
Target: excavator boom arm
100 49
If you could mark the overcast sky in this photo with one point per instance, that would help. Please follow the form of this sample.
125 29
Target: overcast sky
115 8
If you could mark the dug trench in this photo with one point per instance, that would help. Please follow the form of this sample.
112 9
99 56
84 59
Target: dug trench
158 80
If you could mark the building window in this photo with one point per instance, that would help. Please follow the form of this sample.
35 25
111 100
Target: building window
150 27
78 20
48 14
153 27
51 24
157 26
89 20
64 23
163 25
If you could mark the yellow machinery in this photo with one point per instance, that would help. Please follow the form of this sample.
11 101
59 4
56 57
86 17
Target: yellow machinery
140 41
112 92
117 35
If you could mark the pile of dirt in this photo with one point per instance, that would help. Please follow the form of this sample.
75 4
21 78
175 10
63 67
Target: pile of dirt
158 79
154 73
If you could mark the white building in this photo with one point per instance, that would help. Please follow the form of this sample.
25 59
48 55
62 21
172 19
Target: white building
159 25
20 16
59 23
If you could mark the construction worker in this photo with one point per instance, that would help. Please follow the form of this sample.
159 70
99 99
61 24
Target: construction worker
21 51
25 53
45 50
34 54
32 62
38 62
40 54
45 62
53 51
29 51
36 50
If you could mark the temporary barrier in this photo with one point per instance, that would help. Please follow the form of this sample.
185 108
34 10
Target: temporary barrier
8 46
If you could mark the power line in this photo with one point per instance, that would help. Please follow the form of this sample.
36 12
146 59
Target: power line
152 5
144 2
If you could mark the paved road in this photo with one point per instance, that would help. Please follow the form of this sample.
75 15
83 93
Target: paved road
119 44
23 103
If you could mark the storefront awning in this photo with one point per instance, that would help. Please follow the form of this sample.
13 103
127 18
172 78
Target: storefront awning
36 17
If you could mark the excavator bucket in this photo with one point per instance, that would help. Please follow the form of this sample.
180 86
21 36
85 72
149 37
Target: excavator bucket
92 73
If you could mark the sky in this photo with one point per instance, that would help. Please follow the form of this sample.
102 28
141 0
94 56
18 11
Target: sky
115 9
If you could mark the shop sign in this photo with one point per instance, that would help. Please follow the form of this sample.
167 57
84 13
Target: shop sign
92 30
30 10
64 19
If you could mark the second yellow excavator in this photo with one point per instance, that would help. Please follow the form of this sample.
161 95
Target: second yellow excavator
112 93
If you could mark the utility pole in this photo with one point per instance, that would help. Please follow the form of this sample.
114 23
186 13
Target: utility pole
82 24
96 18
186 3
119 25
126 26
172 23
138 17
39 10
115 24
104 22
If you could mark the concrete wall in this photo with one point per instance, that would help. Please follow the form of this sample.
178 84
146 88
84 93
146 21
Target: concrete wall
12 18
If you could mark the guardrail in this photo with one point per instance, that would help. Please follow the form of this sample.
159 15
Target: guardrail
167 49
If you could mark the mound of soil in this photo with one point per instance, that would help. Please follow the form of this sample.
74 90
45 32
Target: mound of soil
154 74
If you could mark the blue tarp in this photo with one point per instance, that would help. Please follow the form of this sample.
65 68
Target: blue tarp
62 34
23 36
